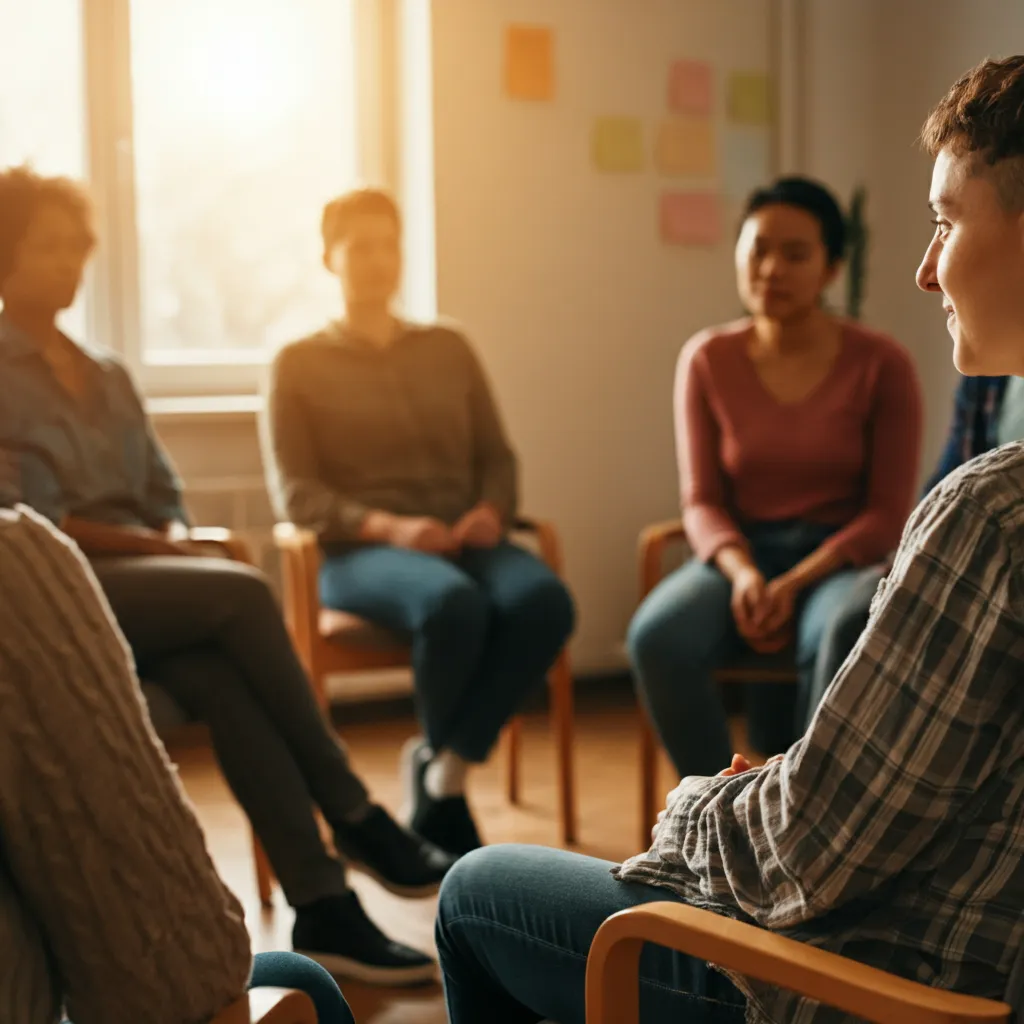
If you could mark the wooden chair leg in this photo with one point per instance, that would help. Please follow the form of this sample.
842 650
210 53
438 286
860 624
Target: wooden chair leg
648 780
562 721
513 742
264 873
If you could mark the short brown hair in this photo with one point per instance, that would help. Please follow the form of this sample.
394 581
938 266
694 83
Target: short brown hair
340 212
983 116
22 192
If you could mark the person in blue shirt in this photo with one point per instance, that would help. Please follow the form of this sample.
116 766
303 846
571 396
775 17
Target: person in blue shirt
987 412
76 445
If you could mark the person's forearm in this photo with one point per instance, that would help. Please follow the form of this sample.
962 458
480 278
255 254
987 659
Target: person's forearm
106 539
816 566
732 560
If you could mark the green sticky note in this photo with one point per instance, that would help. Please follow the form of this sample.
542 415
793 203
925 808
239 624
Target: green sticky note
618 144
750 98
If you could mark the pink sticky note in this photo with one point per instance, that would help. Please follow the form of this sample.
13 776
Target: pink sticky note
691 218
690 87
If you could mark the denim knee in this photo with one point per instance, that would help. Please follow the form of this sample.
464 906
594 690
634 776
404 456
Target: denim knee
459 608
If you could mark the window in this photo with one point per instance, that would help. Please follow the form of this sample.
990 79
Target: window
42 102
210 133
244 125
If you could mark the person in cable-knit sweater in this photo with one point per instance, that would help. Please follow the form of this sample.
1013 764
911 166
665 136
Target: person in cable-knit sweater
109 903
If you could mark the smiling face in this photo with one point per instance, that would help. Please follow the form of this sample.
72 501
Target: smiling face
975 262
782 264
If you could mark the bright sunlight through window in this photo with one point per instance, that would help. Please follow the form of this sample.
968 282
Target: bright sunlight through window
244 125
42 102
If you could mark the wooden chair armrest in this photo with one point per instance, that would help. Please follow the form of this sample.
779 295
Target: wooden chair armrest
269 1006
654 541
548 542
218 536
289 537
865 992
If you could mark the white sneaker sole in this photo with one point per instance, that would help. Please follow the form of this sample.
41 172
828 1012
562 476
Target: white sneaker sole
385 977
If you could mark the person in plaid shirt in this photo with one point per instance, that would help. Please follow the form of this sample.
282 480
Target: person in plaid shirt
893 832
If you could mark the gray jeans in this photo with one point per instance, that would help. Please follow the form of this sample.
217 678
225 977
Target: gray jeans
210 632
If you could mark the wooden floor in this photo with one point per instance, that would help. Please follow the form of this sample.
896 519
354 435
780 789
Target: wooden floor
608 788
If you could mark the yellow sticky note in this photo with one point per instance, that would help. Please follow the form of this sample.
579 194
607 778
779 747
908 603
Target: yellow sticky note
618 144
529 62
686 147
750 98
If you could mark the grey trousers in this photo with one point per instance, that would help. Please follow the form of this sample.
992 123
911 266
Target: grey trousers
210 632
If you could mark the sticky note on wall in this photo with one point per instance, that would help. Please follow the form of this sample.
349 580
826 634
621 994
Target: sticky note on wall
747 158
691 88
686 147
529 62
691 218
617 144
750 98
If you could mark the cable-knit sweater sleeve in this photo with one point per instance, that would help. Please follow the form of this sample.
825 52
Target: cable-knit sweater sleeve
104 853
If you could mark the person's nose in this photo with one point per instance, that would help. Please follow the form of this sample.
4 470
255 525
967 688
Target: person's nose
927 277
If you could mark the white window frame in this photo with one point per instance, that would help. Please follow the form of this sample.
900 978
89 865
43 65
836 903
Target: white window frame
113 301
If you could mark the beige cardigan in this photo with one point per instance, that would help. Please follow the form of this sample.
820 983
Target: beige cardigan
109 902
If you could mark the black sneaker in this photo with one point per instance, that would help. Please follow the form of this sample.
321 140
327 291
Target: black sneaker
447 822
391 855
337 934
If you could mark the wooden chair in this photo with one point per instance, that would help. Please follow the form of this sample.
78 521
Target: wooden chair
170 721
269 1006
747 668
335 642
867 993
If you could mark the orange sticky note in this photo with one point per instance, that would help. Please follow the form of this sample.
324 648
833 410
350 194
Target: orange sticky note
686 147
690 87
529 62
691 218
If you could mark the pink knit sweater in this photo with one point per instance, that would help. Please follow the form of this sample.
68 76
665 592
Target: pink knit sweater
846 455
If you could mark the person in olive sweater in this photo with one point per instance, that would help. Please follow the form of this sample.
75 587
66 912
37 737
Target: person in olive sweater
383 437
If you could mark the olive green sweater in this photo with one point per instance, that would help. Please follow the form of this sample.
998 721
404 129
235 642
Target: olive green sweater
410 429
109 903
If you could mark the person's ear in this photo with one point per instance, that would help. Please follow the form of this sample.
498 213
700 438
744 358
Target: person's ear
832 272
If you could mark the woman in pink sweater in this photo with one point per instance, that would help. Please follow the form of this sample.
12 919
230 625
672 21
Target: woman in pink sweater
798 436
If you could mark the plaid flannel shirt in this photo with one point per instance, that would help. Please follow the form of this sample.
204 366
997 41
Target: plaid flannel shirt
893 832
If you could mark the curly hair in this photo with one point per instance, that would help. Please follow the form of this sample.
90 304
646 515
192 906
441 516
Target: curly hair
22 193
982 116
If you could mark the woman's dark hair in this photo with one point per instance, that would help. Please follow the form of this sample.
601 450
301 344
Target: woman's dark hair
22 192
815 199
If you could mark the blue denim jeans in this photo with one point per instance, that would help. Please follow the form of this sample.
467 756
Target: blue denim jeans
289 970
849 619
685 629
484 627
514 927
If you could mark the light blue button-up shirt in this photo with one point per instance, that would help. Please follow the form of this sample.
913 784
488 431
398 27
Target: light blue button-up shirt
94 457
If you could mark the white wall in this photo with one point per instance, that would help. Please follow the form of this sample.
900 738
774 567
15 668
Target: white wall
875 69
558 274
